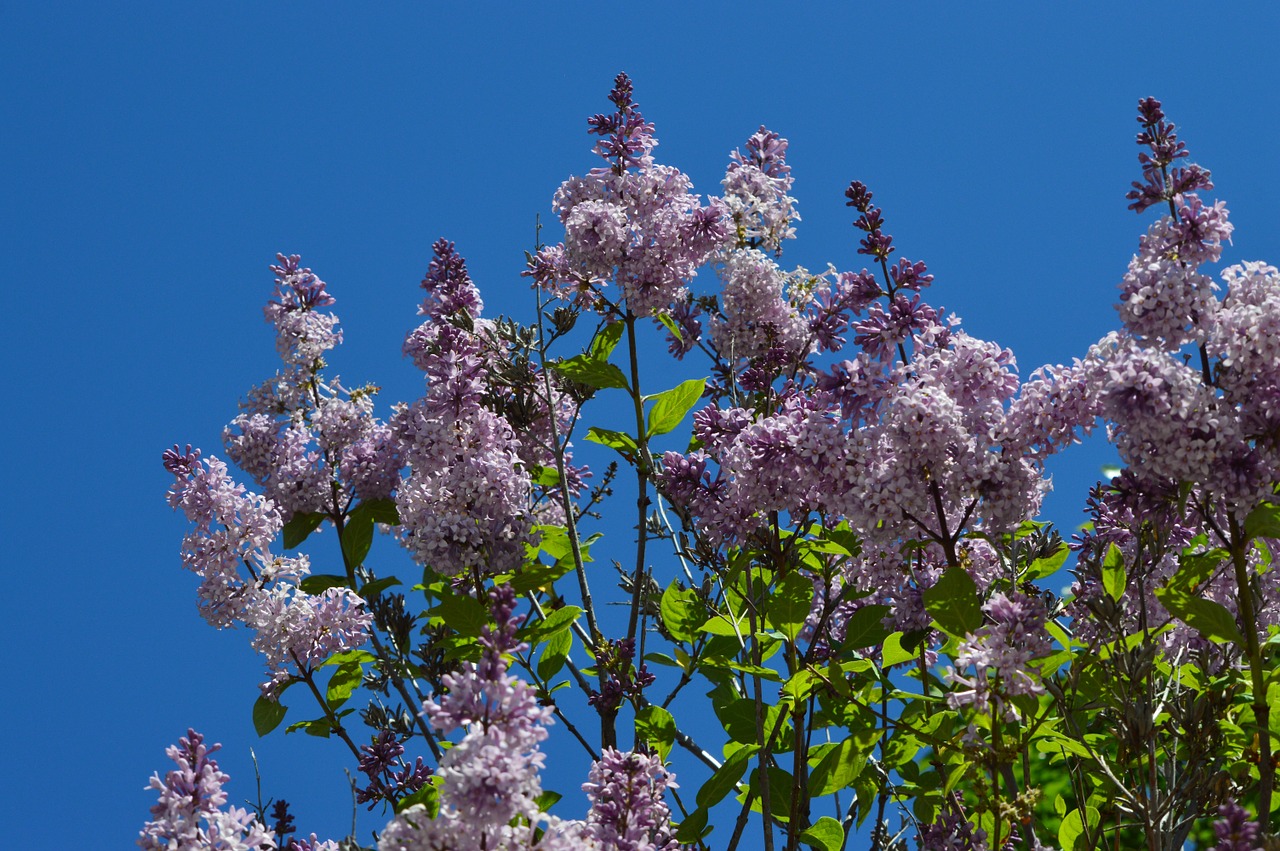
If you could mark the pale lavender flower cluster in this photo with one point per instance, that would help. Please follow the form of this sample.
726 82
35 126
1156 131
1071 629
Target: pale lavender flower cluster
628 812
189 813
1000 654
634 222
465 505
761 308
489 780
312 445
952 832
234 528
755 193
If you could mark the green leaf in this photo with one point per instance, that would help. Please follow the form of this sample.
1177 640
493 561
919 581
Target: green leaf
865 627
540 576
1195 569
826 834
693 826
657 726
671 326
790 604
840 767
357 536
555 654
893 653
1212 620
606 340
624 443
428 796
1114 578
725 778
556 622
1048 565
954 602
724 625
300 526
682 612
319 727
318 583
1071 834
342 657
587 370
267 715
465 615
1263 522
381 510
547 800
344 681
671 406
372 589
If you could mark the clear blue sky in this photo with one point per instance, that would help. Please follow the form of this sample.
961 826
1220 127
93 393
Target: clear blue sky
156 156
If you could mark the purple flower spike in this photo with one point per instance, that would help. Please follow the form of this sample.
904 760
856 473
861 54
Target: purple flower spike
448 285
1234 829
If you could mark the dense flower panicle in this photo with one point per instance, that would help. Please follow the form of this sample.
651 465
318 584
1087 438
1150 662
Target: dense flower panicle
449 287
490 777
1160 182
761 307
233 529
634 222
755 193
628 812
302 334
952 832
189 814
1000 654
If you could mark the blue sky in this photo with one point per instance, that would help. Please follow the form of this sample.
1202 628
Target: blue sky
156 156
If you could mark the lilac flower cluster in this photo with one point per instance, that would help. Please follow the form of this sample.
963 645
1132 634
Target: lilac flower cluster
1000 654
189 813
312 445
465 505
294 630
634 222
628 812
1235 831
489 780
755 193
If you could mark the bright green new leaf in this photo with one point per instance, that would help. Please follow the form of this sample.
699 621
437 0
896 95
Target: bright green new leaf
839 768
725 778
357 536
682 612
604 342
465 615
555 654
1263 522
865 627
670 407
790 604
555 622
318 583
344 681
1212 620
267 715
826 834
954 602
623 443
1114 578
657 726
1048 565
1071 835
591 372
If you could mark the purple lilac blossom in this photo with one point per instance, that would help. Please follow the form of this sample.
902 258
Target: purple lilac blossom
633 222
1235 831
489 780
628 812
755 193
761 306
1000 654
189 813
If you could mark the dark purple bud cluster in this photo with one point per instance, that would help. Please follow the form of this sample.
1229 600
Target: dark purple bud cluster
767 151
298 288
621 682
390 778
180 462
449 287
876 243
283 823
1159 182
626 137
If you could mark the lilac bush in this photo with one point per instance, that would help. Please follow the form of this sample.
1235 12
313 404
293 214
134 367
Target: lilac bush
845 559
